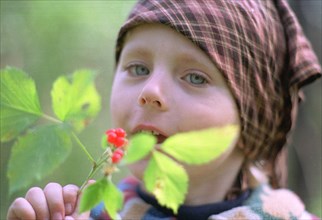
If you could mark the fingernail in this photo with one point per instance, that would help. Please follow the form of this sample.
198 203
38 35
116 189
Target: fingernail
68 208
57 216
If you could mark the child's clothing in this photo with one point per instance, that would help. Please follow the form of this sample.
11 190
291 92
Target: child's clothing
260 203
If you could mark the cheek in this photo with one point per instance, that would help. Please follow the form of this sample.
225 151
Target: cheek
209 114
118 105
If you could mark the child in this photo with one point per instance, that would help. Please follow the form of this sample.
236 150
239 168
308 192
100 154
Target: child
186 65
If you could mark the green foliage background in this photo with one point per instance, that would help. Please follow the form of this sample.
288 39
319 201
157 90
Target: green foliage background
50 38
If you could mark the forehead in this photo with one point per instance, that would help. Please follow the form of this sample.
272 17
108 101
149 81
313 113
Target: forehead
144 38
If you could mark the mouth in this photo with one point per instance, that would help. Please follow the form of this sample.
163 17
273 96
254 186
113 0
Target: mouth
160 135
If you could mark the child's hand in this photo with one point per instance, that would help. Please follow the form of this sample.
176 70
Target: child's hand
54 202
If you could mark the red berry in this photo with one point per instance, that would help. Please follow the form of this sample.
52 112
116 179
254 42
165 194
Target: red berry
116 137
110 131
120 132
119 142
119 151
111 138
117 156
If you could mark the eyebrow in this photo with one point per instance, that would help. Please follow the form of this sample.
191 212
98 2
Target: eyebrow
134 51
186 57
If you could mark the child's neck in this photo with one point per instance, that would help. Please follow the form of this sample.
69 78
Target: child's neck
215 186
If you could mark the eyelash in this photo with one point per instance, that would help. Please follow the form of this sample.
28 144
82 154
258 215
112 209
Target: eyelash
203 79
132 68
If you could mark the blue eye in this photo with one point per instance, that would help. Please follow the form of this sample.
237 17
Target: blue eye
139 70
196 79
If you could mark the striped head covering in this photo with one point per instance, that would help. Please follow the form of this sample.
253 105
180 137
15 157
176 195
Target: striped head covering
260 49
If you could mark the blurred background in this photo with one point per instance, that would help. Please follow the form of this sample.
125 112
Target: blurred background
50 38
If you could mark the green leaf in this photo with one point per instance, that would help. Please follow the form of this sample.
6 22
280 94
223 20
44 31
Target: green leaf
102 190
37 154
113 199
92 195
104 143
19 103
167 180
75 99
140 146
197 147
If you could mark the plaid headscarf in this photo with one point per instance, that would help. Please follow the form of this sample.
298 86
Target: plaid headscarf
260 49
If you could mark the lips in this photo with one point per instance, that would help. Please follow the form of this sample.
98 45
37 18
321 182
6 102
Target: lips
149 129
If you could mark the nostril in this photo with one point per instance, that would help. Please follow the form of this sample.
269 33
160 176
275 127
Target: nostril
157 103
147 101
142 101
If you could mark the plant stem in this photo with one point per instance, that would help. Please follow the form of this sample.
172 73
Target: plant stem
94 169
74 135
52 119
91 173
84 148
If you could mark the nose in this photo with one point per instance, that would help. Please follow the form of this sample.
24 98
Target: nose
152 95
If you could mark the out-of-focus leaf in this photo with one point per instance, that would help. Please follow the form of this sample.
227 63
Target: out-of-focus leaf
75 98
19 103
113 199
37 154
140 145
102 191
197 147
167 180
92 195
104 142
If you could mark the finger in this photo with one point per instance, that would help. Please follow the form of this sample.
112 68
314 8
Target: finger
36 197
70 194
21 209
82 216
55 201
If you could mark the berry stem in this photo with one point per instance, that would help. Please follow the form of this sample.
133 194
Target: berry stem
91 173
95 168
84 148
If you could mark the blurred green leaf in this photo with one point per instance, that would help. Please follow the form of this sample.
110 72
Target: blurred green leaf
167 180
140 146
197 147
37 154
102 190
104 142
75 98
19 103
92 195
113 199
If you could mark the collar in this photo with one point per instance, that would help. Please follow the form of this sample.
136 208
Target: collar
194 212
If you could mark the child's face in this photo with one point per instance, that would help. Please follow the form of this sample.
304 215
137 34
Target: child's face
166 84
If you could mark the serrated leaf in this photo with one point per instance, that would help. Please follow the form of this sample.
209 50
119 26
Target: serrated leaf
167 180
102 190
75 99
140 146
197 147
19 103
37 154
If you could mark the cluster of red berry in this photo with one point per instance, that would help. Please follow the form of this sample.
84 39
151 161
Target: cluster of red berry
116 137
